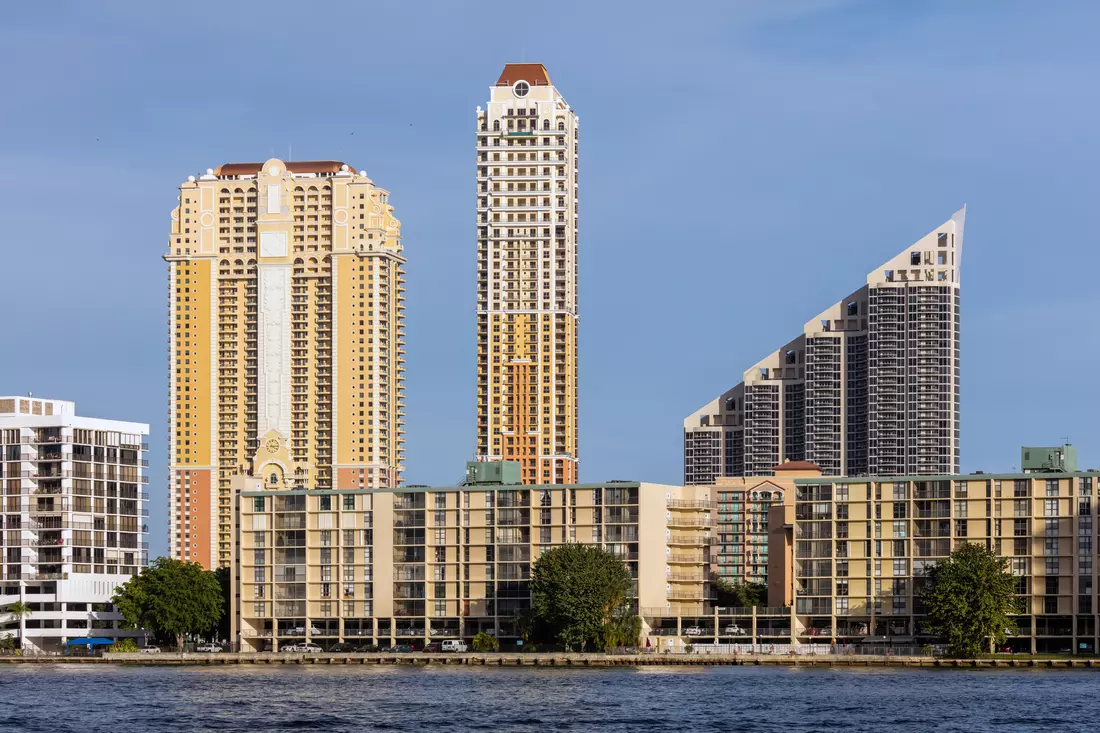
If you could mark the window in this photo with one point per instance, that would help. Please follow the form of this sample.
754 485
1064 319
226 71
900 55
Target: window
326 503
841 492
1050 508
349 502
1052 487
901 568
914 258
853 308
258 504
521 89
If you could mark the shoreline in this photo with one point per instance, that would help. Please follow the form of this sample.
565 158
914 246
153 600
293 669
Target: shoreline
555 660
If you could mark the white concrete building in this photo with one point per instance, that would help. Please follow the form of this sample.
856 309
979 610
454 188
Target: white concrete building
73 520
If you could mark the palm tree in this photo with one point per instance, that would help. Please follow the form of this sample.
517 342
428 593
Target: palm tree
19 610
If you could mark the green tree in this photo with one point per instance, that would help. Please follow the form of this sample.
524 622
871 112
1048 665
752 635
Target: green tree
577 593
224 581
740 595
19 610
971 599
171 597
623 629
485 642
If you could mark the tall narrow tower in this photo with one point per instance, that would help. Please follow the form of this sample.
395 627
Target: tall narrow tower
527 315
286 345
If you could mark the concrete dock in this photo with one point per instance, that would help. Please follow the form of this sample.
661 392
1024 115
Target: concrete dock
552 659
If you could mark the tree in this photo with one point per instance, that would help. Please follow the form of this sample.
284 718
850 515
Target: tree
623 629
485 642
171 597
224 580
971 599
740 595
19 610
580 597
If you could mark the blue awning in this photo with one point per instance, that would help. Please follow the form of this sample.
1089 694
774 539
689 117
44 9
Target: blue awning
90 641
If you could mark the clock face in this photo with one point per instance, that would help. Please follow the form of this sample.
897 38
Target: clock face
273 446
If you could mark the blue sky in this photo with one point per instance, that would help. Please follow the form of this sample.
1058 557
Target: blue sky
743 165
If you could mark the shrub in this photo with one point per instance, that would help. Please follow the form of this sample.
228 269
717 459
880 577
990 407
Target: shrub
485 642
124 646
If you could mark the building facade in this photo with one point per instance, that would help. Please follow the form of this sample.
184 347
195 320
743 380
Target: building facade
852 555
73 522
740 553
384 566
870 386
527 301
287 352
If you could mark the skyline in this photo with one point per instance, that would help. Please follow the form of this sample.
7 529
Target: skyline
849 133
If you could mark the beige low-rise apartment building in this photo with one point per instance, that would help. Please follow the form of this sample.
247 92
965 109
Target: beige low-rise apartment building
413 564
851 555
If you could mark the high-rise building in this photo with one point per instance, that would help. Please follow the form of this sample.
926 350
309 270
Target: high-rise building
870 386
287 326
73 527
527 276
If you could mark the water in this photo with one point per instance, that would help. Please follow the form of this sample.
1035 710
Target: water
57 699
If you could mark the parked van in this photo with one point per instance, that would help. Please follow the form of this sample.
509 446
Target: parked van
453 645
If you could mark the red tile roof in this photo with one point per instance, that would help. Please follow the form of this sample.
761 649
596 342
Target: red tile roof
797 466
296 166
533 74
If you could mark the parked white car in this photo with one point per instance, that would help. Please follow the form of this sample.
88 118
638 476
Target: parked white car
693 631
211 647
303 648
733 630
453 645
150 649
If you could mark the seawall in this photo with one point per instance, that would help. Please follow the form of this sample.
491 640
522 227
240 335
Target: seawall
551 659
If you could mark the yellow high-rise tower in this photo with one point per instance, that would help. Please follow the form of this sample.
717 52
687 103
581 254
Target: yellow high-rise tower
287 321
527 140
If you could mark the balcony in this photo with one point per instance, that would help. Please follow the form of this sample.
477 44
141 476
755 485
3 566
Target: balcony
689 504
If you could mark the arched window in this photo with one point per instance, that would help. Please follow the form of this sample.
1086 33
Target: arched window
561 125
274 479
546 124
496 125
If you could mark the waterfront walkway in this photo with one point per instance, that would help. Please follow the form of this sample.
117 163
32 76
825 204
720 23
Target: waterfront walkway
552 659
